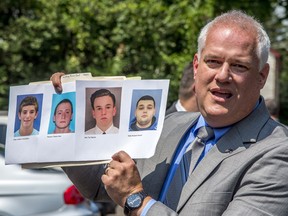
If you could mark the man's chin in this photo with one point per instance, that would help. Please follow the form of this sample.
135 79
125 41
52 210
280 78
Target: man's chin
63 127
144 125
214 112
104 126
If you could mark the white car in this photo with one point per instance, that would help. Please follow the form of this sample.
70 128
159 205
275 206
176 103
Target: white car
41 192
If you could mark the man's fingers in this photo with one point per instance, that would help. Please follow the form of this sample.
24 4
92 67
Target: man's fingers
56 77
56 81
121 156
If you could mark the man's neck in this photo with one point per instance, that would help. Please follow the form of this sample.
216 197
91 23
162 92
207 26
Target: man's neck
104 129
25 131
189 105
62 130
144 126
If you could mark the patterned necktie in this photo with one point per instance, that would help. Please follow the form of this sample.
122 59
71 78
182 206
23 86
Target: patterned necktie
186 166
197 146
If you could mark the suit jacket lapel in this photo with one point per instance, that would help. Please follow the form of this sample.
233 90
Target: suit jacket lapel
224 148
161 161
246 131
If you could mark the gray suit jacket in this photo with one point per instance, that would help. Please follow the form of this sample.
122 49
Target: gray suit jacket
171 109
245 173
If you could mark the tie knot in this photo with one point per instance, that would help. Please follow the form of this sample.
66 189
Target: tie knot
205 133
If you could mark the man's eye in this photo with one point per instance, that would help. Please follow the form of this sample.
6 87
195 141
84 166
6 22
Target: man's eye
212 63
239 68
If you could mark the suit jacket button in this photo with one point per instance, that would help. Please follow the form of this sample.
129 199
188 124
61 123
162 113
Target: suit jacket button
228 150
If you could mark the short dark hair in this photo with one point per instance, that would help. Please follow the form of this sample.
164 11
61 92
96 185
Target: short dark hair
186 85
27 101
64 101
272 106
146 97
101 93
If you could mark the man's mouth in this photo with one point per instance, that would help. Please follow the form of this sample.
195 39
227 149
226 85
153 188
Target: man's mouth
222 94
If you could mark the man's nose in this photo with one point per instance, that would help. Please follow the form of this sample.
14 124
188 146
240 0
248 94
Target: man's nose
223 73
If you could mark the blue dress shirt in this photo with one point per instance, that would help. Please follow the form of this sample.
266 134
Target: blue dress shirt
184 143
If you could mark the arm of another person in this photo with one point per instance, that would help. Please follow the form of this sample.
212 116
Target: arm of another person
120 180
87 180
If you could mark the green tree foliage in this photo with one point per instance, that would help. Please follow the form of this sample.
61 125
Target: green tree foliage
278 31
260 9
152 39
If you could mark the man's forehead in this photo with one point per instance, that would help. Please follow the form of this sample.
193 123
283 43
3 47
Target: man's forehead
102 99
146 102
29 107
65 104
103 105
66 108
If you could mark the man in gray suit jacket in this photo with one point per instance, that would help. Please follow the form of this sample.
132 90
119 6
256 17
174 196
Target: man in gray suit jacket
244 168
186 93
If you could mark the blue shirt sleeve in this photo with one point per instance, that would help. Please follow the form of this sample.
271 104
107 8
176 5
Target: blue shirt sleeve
147 207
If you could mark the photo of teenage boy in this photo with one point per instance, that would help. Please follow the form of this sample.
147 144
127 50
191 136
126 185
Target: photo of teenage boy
27 113
144 114
63 115
103 103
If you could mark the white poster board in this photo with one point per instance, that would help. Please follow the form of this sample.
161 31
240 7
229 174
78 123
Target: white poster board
47 147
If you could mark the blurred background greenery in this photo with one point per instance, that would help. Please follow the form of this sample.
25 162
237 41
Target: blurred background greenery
153 39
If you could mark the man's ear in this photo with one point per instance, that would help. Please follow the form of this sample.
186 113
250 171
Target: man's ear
93 115
114 110
263 75
195 64
193 88
36 115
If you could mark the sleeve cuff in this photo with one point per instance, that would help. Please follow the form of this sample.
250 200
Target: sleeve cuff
147 207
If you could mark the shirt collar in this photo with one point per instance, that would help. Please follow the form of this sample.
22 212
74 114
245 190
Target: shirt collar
218 132
179 106
107 131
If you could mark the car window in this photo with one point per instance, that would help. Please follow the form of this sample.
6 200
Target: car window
2 149
3 128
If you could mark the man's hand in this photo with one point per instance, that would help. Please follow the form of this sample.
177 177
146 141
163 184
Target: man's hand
121 178
56 81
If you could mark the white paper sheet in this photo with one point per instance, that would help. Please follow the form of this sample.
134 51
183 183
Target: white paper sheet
78 146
